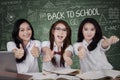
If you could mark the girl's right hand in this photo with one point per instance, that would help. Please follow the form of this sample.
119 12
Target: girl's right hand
48 57
81 52
19 52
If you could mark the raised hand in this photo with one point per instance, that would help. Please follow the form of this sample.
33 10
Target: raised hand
109 41
113 39
67 59
19 52
81 52
35 51
48 56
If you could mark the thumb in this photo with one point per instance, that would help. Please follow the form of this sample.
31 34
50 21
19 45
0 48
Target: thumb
52 52
34 45
104 37
21 47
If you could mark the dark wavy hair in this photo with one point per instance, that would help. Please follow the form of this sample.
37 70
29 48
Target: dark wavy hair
66 42
96 38
17 39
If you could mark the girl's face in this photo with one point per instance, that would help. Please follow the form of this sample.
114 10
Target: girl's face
60 33
88 31
25 32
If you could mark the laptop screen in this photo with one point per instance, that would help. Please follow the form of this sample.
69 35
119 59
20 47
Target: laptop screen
7 61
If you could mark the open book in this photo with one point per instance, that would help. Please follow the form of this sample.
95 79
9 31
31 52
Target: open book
66 71
100 75
51 76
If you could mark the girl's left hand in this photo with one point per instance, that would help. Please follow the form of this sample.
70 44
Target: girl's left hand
113 39
35 51
68 59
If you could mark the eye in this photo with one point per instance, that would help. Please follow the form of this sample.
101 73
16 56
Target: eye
93 29
64 29
57 28
21 29
85 29
28 28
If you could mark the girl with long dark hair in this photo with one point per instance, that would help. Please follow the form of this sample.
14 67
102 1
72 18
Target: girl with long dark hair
91 46
26 49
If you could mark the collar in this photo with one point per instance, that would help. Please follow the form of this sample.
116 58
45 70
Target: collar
55 45
86 43
29 43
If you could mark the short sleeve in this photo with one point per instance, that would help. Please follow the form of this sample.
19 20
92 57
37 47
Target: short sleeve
45 44
75 48
38 44
69 48
100 45
10 46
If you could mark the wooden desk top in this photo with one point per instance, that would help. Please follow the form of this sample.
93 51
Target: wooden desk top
14 76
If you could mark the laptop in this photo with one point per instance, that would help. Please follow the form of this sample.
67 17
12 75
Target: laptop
7 62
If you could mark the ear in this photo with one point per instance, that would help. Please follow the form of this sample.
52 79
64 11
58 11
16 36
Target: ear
53 31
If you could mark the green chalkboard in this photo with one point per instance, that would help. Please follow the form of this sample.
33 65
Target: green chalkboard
42 13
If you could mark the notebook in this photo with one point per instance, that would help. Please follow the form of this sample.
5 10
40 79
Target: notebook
7 62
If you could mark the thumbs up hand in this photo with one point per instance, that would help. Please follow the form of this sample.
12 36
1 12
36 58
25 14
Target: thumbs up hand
109 41
81 52
48 57
113 40
19 52
67 59
35 51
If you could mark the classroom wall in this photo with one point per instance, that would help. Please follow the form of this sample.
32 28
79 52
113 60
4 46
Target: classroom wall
42 13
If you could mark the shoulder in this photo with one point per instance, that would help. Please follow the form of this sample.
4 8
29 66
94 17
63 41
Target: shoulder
70 46
10 43
45 43
36 41
77 44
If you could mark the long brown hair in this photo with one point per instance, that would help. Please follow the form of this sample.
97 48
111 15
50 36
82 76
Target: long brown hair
66 42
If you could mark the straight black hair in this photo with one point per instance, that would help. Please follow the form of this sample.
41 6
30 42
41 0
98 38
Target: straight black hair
16 38
96 38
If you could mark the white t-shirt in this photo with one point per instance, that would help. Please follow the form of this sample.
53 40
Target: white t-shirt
93 60
48 65
30 64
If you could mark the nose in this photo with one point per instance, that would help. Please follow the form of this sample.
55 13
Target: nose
26 31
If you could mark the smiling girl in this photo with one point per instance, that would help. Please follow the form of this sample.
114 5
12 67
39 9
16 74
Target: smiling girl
58 50
91 46
25 48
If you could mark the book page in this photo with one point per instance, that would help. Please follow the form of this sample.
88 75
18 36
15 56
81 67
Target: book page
99 74
49 76
112 73
67 77
41 76
66 71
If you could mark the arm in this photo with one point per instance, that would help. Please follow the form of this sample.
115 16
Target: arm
48 54
36 49
68 57
109 41
81 52
17 52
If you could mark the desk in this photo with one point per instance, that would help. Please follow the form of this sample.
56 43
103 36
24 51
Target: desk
14 76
